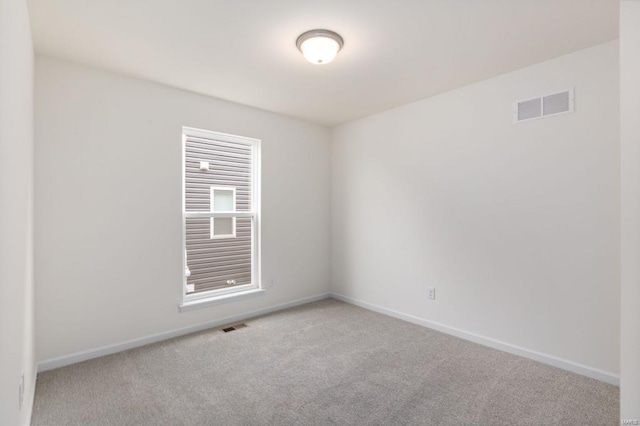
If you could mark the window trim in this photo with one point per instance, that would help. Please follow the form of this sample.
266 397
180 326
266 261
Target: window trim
224 294
191 305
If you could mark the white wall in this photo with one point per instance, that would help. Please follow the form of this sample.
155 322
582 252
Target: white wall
16 211
630 192
108 206
515 225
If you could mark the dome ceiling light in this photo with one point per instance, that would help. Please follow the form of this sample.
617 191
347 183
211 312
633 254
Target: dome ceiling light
319 46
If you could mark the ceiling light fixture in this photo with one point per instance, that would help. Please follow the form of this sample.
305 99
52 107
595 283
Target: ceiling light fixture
319 46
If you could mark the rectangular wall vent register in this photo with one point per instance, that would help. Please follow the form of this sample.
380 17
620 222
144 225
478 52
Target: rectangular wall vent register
233 327
544 106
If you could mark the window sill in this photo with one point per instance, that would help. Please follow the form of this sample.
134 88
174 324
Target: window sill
218 300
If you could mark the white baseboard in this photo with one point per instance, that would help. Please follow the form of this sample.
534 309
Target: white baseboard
554 361
74 358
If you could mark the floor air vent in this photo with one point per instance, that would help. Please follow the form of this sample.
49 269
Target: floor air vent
544 106
234 327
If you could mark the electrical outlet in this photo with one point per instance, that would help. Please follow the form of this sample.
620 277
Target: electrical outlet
21 391
431 293
273 282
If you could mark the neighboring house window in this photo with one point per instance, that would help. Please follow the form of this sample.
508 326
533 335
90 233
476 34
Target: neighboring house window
220 210
223 199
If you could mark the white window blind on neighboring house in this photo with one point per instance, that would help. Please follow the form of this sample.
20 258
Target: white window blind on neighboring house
221 198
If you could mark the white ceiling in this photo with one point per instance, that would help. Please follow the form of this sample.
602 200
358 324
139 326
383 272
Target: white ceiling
244 51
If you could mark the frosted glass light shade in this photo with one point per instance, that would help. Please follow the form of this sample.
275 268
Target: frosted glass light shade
320 46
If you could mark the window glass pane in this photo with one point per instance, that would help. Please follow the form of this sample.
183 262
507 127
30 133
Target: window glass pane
215 262
229 165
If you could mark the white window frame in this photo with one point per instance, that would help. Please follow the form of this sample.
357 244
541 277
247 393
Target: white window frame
212 235
195 300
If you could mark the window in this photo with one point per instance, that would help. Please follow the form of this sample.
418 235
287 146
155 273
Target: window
220 214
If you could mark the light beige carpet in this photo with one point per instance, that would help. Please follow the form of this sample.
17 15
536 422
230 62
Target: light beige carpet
326 363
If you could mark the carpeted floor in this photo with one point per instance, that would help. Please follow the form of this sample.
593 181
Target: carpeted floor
326 363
